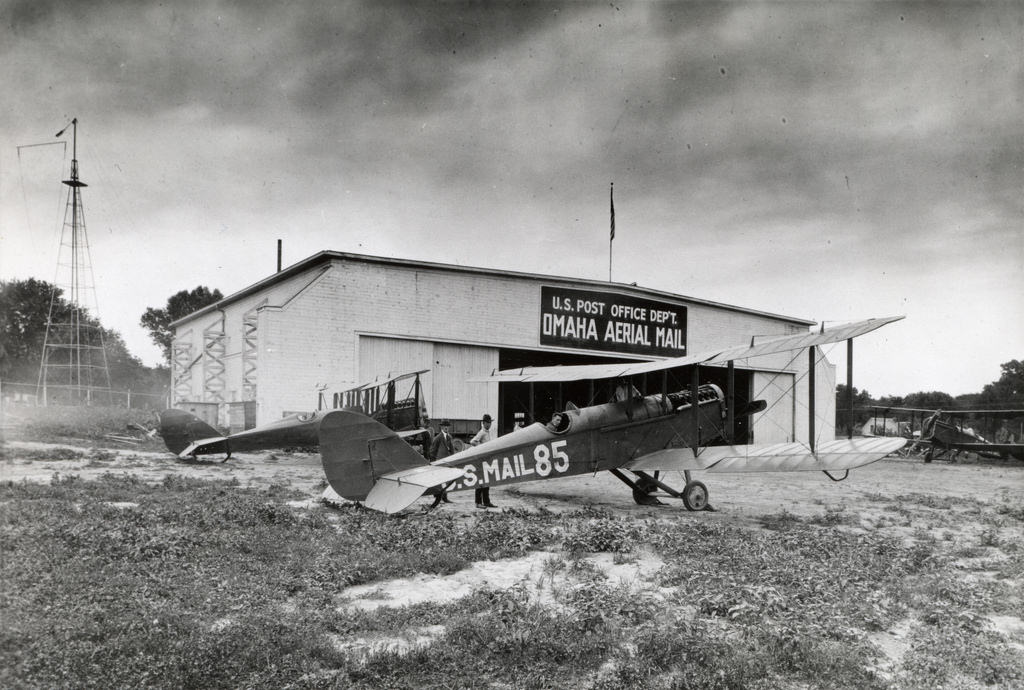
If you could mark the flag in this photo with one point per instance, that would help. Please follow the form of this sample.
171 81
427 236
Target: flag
611 200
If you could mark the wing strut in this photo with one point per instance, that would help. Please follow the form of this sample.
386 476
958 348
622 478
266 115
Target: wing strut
418 392
849 388
810 397
695 404
730 401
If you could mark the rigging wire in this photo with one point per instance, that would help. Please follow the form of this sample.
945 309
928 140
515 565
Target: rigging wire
772 384
29 224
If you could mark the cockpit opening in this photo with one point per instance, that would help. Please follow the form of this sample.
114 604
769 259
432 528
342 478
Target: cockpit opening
560 422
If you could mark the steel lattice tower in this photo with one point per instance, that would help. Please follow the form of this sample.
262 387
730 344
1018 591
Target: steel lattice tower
73 370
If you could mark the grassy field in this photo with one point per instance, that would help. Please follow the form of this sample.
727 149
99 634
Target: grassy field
117 583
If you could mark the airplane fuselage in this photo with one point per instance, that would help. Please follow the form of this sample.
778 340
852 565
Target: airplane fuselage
601 437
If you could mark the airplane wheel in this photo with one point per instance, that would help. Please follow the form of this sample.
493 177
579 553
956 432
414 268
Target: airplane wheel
695 496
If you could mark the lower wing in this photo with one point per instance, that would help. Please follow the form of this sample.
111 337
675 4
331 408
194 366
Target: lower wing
398 490
773 457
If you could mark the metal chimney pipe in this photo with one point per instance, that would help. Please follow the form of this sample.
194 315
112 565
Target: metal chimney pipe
279 256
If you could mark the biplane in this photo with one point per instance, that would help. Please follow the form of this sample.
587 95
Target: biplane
943 431
634 437
188 437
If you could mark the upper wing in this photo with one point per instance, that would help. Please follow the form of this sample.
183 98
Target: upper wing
398 490
386 380
774 457
834 334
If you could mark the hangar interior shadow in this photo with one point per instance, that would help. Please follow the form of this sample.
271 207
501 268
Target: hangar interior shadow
538 401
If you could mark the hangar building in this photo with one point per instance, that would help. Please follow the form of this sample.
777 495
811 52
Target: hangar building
295 340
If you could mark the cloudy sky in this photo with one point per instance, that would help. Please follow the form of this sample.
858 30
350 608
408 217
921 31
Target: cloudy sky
820 160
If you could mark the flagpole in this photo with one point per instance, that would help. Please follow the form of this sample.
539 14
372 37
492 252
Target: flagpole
611 238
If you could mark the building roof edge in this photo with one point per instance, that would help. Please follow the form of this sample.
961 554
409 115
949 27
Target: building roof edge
332 255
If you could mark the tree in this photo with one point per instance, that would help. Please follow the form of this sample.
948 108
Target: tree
890 401
179 305
930 400
25 306
861 401
24 309
127 372
967 401
1009 389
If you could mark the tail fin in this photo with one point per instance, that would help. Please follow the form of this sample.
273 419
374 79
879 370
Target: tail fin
355 450
180 429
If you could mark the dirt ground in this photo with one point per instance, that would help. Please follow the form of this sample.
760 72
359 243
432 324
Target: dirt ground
736 498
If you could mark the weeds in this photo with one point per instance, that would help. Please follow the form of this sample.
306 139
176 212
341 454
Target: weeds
820 579
596 531
780 521
990 537
56 454
593 601
1012 511
940 655
833 517
209 584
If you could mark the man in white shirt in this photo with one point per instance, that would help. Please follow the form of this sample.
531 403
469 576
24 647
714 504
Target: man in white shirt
483 495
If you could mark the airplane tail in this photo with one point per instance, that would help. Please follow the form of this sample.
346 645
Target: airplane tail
180 429
356 450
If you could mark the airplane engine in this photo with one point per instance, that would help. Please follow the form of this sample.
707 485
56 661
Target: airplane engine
707 393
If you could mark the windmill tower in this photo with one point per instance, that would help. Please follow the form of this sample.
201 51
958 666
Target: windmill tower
73 370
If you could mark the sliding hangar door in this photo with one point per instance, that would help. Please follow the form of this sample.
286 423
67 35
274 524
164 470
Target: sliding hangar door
446 389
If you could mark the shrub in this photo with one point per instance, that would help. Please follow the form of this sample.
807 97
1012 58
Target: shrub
603 533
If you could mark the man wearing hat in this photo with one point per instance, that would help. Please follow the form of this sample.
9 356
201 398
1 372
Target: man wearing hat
441 447
483 495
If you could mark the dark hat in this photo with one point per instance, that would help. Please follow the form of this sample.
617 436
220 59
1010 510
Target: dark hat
487 418
445 422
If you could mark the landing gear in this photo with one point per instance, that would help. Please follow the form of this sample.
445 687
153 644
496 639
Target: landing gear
644 498
643 490
695 496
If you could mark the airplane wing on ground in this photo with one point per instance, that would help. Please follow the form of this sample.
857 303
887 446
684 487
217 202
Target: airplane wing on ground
830 456
219 444
396 491
1008 413
997 447
768 346
1015 449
